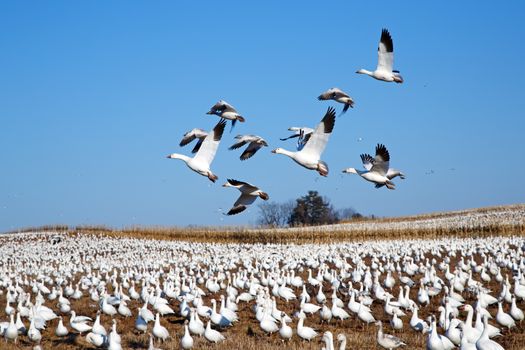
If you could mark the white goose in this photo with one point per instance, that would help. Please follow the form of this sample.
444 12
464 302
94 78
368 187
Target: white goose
376 169
310 155
339 96
186 342
254 144
484 343
201 162
159 331
226 111
385 61
249 194
387 341
305 333
212 335
191 135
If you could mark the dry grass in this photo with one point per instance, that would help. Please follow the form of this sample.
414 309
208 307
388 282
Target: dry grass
481 222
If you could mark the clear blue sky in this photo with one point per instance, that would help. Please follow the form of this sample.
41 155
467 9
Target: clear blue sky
95 94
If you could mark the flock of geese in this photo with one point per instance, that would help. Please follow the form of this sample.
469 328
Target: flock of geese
311 142
107 292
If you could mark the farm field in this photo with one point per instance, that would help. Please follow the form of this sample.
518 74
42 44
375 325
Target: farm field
87 267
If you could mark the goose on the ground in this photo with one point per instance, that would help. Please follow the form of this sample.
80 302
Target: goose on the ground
254 144
385 61
376 169
191 135
226 111
201 162
339 96
310 155
387 341
248 195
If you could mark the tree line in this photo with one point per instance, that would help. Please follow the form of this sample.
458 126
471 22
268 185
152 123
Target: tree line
310 209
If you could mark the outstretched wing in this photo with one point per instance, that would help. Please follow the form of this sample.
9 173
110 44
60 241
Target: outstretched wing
238 183
367 160
250 150
245 199
381 161
197 146
210 144
319 138
385 52
192 135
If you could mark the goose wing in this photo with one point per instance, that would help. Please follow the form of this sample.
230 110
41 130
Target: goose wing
241 203
332 94
210 144
192 135
222 106
368 161
319 138
197 146
381 161
242 141
385 52
251 150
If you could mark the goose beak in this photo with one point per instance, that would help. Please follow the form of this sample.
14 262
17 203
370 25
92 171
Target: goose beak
274 151
209 112
168 156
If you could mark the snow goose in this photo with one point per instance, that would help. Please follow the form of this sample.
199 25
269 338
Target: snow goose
159 331
98 340
140 323
339 96
396 322
212 335
248 195
97 327
484 343
11 332
151 344
385 61
254 144
305 333
376 168
328 339
186 342
191 135
61 330
285 331
516 312
201 162
310 155
387 341
504 318
78 323
436 341
226 111
341 338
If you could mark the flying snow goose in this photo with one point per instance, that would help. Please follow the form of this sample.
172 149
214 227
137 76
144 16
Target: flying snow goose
385 61
201 162
254 144
376 169
310 155
248 195
339 96
225 110
191 135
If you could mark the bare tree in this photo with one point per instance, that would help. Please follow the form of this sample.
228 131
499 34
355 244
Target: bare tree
275 214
